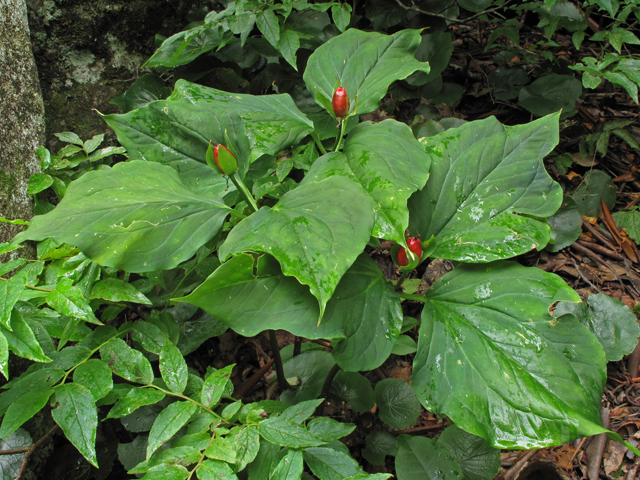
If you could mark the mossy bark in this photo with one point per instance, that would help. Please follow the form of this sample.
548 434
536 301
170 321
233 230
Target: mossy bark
21 116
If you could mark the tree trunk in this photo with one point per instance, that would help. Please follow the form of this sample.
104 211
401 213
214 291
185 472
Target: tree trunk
21 116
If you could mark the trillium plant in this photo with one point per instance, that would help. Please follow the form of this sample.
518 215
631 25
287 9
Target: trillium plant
261 214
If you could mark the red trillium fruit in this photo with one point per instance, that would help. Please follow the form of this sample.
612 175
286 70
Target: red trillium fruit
223 158
340 103
415 246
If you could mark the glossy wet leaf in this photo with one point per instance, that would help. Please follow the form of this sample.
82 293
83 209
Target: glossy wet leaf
39 182
167 472
355 389
23 409
28 382
136 398
364 313
315 234
265 462
300 412
365 64
77 415
389 163
286 433
68 299
22 341
492 358
146 89
246 444
221 449
290 466
214 386
551 93
329 464
478 459
405 345
186 46
173 368
10 292
272 122
487 183
170 420
215 470
96 376
116 290
435 48
137 216
327 429
150 336
398 404
4 357
611 321
567 225
380 443
422 457
126 362
310 369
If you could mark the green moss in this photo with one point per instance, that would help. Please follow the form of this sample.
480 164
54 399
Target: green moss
8 183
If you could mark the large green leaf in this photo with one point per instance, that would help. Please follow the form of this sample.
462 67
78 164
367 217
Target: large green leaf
424 458
492 358
478 460
136 398
173 367
126 362
389 163
77 415
314 232
329 464
273 122
399 406
610 320
22 341
24 408
364 63
286 433
178 132
96 376
486 181
551 93
364 314
290 466
309 370
170 420
185 46
137 216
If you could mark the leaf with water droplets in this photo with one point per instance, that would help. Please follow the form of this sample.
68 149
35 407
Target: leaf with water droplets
493 359
424 458
487 184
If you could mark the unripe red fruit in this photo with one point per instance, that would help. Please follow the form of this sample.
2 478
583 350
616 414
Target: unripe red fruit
415 246
340 103
229 164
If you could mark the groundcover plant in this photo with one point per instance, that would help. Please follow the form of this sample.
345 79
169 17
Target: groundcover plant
205 209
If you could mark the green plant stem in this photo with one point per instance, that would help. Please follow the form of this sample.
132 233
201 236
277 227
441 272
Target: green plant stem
184 397
398 286
245 191
343 127
329 380
316 139
202 456
415 298
282 381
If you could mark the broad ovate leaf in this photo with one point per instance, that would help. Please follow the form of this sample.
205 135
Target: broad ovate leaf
313 232
177 133
493 359
272 122
487 184
137 216
365 64
478 459
611 321
389 163
424 458
363 317
77 415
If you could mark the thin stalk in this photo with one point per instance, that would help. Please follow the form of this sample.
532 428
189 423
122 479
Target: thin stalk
327 383
282 381
415 298
398 286
245 191
297 346
316 139
342 129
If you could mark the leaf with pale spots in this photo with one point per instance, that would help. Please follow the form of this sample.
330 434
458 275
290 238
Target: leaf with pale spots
315 234
389 163
137 216
493 359
487 184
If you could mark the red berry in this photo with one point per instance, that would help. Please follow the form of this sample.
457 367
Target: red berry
340 103
415 246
